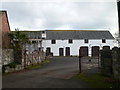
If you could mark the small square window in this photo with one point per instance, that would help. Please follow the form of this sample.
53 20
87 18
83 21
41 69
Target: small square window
43 37
86 41
70 41
33 42
43 31
53 41
103 40
38 37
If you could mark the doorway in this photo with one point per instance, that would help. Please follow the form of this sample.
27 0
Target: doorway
61 52
83 51
67 50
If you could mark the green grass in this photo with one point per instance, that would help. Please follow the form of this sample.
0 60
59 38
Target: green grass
29 67
46 61
37 65
34 66
95 80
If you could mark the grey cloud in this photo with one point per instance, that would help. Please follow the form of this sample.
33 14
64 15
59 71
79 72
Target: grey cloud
53 15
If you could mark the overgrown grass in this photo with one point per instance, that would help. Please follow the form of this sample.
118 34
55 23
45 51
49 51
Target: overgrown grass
96 80
46 61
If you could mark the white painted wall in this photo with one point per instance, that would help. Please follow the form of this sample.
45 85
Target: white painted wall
74 47
31 47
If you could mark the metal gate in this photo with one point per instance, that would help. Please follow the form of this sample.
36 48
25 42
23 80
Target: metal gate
89 65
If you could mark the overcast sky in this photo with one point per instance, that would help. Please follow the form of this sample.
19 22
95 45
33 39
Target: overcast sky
62 15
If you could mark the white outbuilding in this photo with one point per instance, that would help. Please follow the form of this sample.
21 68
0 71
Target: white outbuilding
73 42
69 42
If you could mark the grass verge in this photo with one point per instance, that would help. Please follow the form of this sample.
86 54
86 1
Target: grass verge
37 65
29 67
96 80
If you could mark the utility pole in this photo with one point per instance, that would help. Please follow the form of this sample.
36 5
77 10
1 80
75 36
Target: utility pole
118 6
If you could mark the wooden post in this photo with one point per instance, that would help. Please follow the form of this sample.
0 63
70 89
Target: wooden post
80 70
25 59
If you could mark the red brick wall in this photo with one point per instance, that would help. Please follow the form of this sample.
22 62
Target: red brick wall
4 26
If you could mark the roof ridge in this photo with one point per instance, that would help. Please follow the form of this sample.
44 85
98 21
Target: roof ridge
77 30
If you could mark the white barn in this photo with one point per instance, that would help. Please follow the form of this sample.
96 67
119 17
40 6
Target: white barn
68 42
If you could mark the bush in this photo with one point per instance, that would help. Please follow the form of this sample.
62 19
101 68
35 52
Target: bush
13 64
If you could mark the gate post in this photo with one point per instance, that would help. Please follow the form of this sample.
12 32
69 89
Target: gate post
80 70
106 61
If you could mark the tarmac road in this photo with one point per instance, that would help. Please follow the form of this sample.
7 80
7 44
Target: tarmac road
58 73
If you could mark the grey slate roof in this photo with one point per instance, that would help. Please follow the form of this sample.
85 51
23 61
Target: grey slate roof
33 34
77 34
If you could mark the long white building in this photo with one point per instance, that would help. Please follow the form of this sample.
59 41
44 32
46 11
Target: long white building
70 42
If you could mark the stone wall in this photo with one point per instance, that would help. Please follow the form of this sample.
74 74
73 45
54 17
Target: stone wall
35 57
28 59
7 56
116 62
106 61
18 56
110 62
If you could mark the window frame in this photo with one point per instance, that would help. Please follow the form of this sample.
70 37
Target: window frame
70 41
34 42
86 40
103 40
43 31
53 41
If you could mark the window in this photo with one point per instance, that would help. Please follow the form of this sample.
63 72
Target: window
43 37
38 37
103 40
86 41
43 31
70 41
53 41
40 49
33 42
